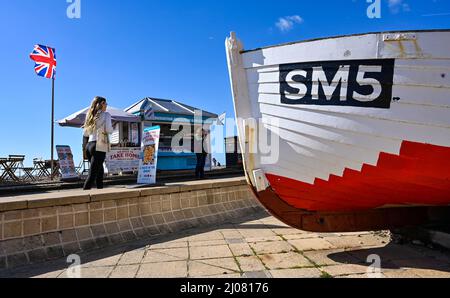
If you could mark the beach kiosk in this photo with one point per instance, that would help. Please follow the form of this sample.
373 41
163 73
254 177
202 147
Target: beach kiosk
125 147
173 117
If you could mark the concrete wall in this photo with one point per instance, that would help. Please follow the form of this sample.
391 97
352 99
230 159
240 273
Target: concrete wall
50 226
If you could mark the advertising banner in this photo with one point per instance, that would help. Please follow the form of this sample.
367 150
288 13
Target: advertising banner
122 160
66 163
149 155
134 133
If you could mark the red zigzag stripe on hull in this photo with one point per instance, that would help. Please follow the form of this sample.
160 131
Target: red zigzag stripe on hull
419 175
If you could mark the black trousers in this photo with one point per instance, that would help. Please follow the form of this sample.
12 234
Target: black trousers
96 171
200 169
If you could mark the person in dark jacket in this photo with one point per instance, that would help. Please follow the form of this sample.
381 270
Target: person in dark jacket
201 152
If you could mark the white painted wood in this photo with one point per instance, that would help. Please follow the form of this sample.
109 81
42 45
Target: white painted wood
420 95
403 76
360 124
318 141
408 113
355 47
431 45
363 141
242 102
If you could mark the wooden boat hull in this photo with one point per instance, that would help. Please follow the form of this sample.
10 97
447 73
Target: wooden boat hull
363 127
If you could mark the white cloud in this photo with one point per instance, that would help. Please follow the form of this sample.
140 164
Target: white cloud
286 24
396 6
406 7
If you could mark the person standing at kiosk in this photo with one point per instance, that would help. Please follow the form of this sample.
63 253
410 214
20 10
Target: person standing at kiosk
200 136
97 128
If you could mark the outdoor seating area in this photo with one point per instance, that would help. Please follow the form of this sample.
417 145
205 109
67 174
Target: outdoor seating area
13 171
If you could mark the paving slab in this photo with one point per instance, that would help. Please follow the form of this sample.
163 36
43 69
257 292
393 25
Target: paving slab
132 257
166 255
331 257
271 247
176 269
346 269
311 244
258 246
251 263
296 273
240 249
126 271
212 267
220 251
285 261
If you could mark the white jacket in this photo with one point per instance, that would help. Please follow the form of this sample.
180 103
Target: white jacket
103 124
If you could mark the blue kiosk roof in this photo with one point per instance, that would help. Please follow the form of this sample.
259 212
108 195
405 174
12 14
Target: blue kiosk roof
167 106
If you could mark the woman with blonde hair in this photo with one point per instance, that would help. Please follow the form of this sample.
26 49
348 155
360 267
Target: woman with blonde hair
97 127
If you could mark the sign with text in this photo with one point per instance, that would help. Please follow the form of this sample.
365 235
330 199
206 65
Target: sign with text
122 160
66 163
149 155
134 133
357 83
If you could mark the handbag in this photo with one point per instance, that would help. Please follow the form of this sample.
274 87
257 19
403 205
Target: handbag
103 143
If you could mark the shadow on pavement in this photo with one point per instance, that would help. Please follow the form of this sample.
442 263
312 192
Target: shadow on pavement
395 256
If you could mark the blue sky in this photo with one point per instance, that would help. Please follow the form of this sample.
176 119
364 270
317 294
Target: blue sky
127 50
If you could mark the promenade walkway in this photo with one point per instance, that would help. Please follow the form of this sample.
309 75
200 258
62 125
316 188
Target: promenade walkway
258 246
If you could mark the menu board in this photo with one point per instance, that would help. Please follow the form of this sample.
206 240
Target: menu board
149 155
66 163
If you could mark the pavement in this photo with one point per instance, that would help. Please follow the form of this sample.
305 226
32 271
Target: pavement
258 246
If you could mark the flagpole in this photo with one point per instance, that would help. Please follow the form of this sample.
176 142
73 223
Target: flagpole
53 128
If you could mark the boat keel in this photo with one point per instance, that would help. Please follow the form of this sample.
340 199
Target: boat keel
352 221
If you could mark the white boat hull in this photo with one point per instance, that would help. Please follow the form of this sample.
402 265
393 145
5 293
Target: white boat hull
363 121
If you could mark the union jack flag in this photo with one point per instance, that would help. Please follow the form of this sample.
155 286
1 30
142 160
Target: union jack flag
45 58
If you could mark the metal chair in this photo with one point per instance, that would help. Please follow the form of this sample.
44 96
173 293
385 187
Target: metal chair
83 167
56 172
3 173
28 174
40 171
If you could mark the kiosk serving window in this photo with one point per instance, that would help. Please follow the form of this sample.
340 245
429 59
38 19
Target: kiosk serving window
168 134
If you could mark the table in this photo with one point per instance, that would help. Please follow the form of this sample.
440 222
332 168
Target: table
9 166
28 174
3 172
16 164
40 166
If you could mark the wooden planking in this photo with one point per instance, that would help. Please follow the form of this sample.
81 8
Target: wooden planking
419 175
299 165
422 95
434 45
361 47
411 64
312 159
327 158
293 156
408 113
352 156
418 64
418 95
402 76
303 176
431 45
363 141
375 127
